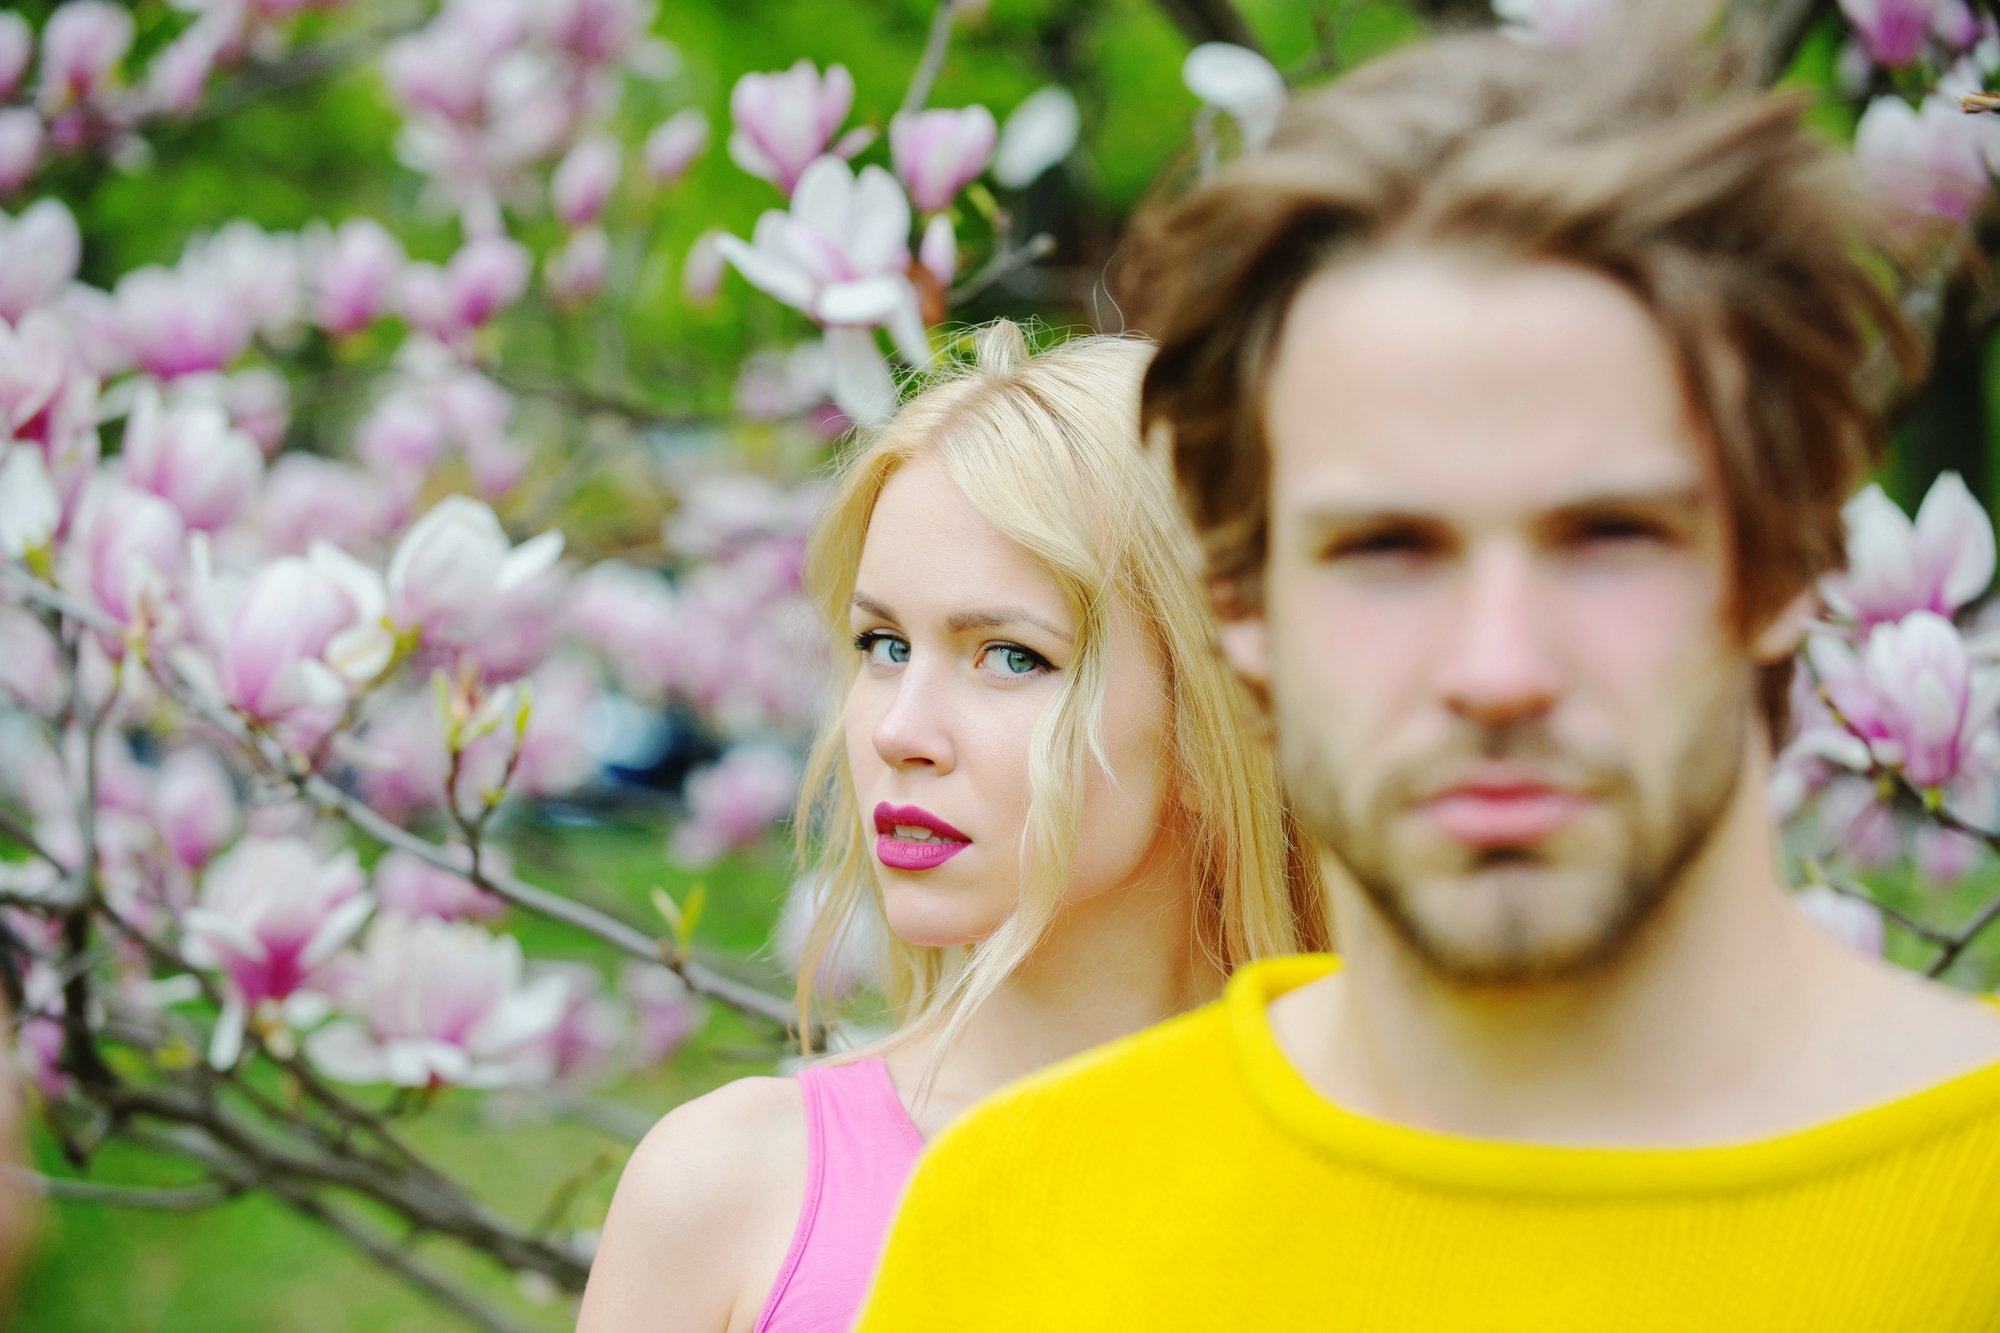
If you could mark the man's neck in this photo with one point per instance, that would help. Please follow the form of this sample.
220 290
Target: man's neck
1729 1017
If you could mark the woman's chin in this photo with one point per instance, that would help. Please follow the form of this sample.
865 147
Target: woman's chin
917 917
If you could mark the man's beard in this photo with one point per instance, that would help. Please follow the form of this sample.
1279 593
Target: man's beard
1573 902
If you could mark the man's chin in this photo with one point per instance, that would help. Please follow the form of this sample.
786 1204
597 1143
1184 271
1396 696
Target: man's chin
1505 925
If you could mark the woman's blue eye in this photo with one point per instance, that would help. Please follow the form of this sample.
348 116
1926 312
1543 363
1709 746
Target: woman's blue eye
882 649
1015 660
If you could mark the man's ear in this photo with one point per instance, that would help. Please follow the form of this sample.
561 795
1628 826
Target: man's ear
1246 643
1784 632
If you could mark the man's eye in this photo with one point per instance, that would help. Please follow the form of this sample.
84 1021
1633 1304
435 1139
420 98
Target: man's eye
1379 544
1011 659
1617 532
882 649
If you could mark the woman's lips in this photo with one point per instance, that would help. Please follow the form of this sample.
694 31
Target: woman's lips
1490 818
908 837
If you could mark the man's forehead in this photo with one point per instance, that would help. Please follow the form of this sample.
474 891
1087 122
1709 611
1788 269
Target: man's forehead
1418 382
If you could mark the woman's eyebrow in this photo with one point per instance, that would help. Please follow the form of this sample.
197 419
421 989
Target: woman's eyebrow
1002 617
874 608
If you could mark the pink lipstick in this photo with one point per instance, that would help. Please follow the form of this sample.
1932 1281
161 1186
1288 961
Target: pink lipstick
908 837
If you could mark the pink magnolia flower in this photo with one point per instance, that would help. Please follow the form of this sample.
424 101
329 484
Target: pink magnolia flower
556 757
591 1028
852 962
1894 31
938 153
597 32
178 75
454 562
17 52
353 276
842 255
194 805
1566 24
1849 920
39 252
21 139
259 403
405 434
674 145
1931 160
667 1012
411 887
1041 132
31 666
174 325
82 45
1940 563
271 911
939 251
401 763
702 270
1241 82
190 456
1854 822
308 499
97 338
305 631
1955 25
577 272
785 121
30 509
1914 695
440 1002
485 277
129 550
584 179
732 802
1945 856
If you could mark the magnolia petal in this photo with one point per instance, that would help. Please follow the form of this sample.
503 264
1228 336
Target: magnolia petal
225 1045
303 1009
906 326
362 585
203 921
774 277
335 930
530 560
1953 531
1041 132
861 383
322 686
360 653
527 1013
867 302
1839 747
939 250
821 199
745 153
343 1050
1854 923
1933 741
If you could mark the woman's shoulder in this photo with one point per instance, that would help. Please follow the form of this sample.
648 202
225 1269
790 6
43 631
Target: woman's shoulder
703 1213
718 1149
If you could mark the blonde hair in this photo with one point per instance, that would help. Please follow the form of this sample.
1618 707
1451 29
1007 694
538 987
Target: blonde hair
1047 448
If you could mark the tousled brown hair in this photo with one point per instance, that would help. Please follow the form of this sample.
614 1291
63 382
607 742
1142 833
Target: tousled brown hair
1719 211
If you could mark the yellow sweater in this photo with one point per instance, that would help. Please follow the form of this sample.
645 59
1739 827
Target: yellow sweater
1189 1178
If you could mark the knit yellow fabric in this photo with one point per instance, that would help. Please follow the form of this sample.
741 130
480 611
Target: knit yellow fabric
1189 1178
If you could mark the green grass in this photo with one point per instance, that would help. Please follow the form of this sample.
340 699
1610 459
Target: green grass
254 1266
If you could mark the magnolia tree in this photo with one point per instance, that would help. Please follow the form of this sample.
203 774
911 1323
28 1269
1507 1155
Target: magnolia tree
266 710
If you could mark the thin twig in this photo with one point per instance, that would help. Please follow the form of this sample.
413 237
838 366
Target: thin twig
1039 246
18 832
392 1257
68 1189
936 44
1818 874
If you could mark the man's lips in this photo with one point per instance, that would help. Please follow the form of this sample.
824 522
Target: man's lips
1491 816
908 837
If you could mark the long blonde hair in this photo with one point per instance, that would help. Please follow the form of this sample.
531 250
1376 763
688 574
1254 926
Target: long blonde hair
1047 448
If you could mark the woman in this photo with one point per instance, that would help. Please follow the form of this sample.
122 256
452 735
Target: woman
1038 781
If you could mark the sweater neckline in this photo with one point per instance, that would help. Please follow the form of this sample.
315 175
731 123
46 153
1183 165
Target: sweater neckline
1501 1166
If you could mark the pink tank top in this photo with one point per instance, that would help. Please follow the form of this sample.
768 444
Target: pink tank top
860 1149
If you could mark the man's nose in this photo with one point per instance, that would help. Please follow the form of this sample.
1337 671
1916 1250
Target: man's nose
1498 669
915 732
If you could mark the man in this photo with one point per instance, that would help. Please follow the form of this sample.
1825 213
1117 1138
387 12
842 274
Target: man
1514 399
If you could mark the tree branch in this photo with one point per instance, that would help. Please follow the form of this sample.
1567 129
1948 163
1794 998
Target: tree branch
1039 246
936 44
67 1189
1210 21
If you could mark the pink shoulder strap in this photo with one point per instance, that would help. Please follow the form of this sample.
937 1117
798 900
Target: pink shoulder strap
860 1149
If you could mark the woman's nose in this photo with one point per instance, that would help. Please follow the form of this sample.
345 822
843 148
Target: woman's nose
915 731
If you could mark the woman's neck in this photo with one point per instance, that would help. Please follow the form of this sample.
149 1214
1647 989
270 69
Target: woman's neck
1106 967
